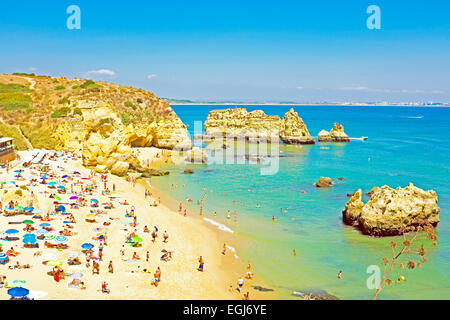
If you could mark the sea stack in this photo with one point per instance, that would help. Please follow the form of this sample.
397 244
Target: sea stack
336 134
392 212
293 129
324 182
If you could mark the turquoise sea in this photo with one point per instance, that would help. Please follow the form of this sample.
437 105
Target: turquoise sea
406 144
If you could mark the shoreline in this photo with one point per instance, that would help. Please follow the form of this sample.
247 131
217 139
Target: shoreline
231 265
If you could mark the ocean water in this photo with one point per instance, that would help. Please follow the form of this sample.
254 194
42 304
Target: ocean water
406 144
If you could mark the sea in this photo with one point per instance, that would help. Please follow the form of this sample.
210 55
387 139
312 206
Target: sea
405 144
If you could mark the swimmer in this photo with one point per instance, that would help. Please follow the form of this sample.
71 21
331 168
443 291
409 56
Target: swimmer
294 252
273 218
340 275
228 214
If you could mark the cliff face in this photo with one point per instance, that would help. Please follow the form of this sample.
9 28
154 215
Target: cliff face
256 126
392 212
103 120
336 134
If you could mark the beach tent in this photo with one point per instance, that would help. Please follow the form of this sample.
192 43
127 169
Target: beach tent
18 292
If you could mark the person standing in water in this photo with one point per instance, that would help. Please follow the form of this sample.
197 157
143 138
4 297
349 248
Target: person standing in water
228 214
224 249
294 252
340 275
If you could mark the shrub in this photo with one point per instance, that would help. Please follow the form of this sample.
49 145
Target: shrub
77 111
60 87
125 118
64 101
60 112
129 104
139 100
18 192
75 87
90 84
40 138
29 110
23 74
13 132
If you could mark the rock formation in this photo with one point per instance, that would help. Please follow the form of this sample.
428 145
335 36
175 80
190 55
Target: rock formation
336 134
197 155
188 171
256 126
391 212
293 129
324 182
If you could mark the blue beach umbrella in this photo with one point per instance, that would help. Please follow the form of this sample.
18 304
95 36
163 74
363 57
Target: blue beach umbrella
11 231
64 176
17 171
87 246
52 183
45 224
61 208
29 240
29 208
3 256
61 187
94 200
18 292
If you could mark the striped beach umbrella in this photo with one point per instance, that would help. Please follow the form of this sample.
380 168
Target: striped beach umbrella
42 231
49 237
61 239
3 256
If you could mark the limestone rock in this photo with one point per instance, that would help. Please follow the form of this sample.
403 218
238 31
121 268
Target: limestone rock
336 134
324 182
101 168
188 171
293 129
120 168
197 155
391 212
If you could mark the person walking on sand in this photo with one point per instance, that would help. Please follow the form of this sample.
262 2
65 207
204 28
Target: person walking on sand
166 236
201 264
114 187
294 252
110 267
148 256
224 249
240 284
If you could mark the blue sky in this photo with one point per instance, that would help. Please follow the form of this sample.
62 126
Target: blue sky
240 50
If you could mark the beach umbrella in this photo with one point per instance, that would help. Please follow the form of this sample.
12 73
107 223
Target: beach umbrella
61 208
30 235
20 208
17 283
76 275
18 292
56 197
64 176
3 256
94 200
73 198
29 209
53 263
44 224
42 231
29 240
91 182
52 183
9 209
48 256
76 172
61 239
11 231
136 239
17 171
61 187
27 222
87 246
13 182
49 237
37 211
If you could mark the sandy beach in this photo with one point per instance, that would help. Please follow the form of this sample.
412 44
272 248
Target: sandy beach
188 240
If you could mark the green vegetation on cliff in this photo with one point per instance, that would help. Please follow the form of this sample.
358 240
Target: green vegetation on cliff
40 137
12 132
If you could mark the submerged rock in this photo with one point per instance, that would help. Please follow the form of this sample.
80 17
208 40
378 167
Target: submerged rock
324 182
316 294
336 134
262 289
391 212
188 171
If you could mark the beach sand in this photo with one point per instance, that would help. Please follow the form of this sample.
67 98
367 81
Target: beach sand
188 238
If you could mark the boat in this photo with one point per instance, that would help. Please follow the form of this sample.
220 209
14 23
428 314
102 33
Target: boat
361 138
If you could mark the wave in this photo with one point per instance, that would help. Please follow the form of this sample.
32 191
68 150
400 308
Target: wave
233 250
219 225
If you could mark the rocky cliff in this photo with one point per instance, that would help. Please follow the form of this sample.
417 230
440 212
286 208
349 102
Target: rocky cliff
391 212
256 126
336 134
103 120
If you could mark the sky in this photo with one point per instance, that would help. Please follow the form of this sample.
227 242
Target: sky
308 51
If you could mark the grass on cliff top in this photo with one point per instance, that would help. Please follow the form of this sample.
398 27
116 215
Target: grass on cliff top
90 84
12 132
14 101
13 88
40 138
